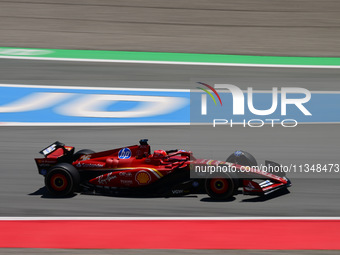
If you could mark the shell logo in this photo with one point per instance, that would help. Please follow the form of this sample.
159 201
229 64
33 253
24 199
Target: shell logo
143 177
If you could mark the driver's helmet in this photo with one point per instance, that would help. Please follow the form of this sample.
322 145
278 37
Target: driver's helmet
159 154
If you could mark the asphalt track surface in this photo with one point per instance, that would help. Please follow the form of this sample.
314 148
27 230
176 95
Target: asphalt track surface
39 72
21 188
266 27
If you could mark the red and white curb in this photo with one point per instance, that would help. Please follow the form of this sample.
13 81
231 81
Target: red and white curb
277 233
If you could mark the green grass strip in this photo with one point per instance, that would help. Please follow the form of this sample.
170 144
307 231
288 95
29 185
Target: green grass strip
171 57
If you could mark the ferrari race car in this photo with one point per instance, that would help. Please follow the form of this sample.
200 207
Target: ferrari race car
135 170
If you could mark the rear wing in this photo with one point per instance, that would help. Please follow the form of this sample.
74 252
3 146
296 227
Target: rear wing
51 148
55 153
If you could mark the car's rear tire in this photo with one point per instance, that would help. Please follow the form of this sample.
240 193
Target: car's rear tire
62 180
221 188
80 153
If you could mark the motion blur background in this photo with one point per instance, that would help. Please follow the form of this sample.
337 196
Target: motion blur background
249 27
262 27
266 27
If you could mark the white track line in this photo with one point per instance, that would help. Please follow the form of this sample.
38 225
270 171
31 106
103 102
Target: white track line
76 124
6 85
161 218
266 123
91 88
169 62
139 124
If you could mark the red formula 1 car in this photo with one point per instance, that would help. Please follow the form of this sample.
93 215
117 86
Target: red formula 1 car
135 170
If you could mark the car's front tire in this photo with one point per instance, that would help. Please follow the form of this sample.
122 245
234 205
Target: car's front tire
221 188
62 180
242 158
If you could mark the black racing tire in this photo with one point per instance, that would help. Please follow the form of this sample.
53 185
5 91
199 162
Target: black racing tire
80 153
62 180
242 158
222 188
